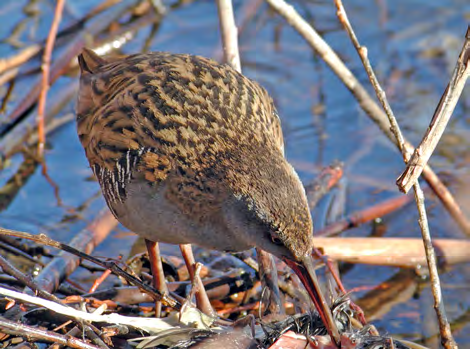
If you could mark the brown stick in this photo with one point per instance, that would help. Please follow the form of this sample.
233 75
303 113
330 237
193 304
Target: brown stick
25 130
357 218
27 53
45 240
13 185
64 264
439 121
70 52
19 329
446 334
379 299
370 107
8 76
396 252
328 178
46 63
19 58
27 280
217 288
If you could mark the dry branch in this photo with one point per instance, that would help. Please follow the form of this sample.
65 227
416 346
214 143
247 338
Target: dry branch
152 325
381 298
45 240
229 34
64 264
396 252
91 28
217 288
46 63
18 59
322 184
446 334
19 329
27 280
439 121
25 132
370 107
357 218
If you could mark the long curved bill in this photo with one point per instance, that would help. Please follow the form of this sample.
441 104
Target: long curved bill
306 273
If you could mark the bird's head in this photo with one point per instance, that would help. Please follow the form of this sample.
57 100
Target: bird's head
271 212
270 206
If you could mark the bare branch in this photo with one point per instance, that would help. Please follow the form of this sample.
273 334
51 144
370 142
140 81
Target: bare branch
439 121
229 34
446 334
46 63
370 107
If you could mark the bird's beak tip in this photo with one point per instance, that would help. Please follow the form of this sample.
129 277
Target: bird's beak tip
305 270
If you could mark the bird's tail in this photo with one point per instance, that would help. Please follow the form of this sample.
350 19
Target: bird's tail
89 61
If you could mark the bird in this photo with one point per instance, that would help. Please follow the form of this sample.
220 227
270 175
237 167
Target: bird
189 151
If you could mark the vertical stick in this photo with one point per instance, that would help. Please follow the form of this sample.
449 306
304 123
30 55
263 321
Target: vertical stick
446 334
229 34
46 63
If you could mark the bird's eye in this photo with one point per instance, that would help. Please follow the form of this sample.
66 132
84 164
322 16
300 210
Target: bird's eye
276 241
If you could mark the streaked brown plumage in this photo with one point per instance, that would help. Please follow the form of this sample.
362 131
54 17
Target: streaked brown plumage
187 150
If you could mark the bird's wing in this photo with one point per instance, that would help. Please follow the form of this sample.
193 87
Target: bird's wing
171 103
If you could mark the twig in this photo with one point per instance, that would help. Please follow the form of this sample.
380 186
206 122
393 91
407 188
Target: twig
86 240
19 58
13 185
67 54
446 334
439 121
229 33
370 107
218 287
20 126
19 329
355 219
8 76
45 240
31 96
7 96
26 280
18 253
46 63
152 325
25 130
322 184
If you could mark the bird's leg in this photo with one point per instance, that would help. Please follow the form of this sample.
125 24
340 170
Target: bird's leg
202 300
156 267
269 280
